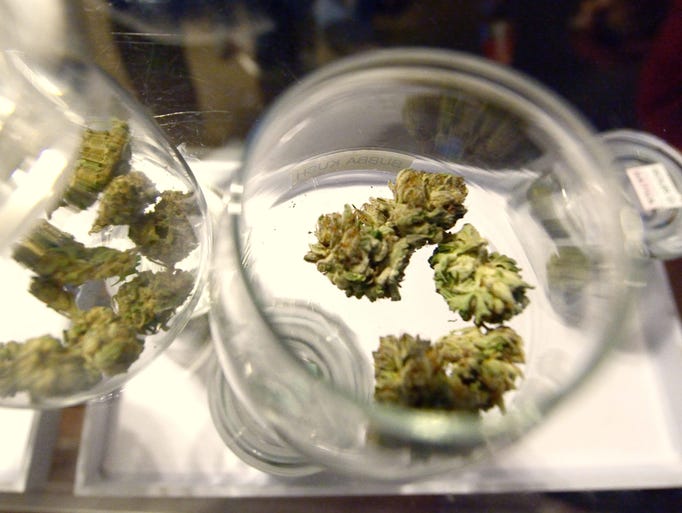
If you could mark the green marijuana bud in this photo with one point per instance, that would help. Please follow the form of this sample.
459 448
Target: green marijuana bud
147 302
166 234
364 251
480 285
468 370
406 375
425 200
50 252
359 257
480 366
101 155
53 294
44 368
124 200
8 354
104 340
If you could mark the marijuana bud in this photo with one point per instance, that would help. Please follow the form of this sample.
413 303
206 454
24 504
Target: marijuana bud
101 154
166 234
124 200
104 340
53 294
8 354
358 257
424 206
468 370
406 375
44 368
480 285
364 251
479 367
149 300
431 199
50 252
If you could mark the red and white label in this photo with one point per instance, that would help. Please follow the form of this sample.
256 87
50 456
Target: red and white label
654 187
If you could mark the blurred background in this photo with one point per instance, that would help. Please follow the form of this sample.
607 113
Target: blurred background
207 68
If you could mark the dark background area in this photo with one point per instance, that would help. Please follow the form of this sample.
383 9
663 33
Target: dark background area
597 54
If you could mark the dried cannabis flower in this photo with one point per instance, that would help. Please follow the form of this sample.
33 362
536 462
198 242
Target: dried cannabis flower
364 251
406 375
149 300
480 285
50 252
360 258
104 340
427 203
101 155
166 235
43 367
480 366
8 354
53 294
124 200
468 370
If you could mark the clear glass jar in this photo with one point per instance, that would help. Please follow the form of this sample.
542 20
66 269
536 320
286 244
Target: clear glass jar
295 390
105 238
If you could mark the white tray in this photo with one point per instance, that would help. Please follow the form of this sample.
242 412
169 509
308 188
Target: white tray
26 445
622 430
